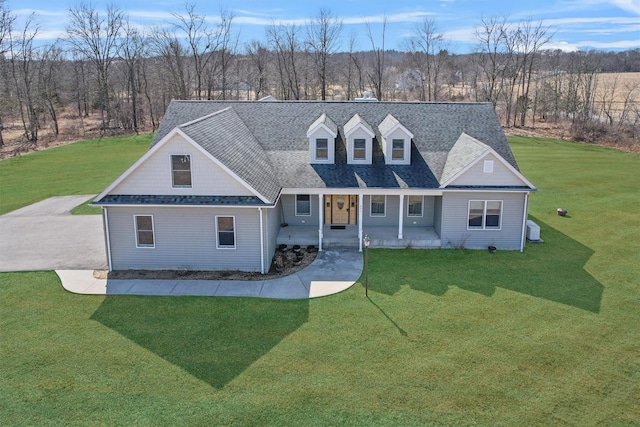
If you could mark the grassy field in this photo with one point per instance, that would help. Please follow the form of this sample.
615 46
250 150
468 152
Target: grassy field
545 337
85 167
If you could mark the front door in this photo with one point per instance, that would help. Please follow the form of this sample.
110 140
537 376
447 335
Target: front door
339 209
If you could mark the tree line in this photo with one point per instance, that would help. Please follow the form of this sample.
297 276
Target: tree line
108 67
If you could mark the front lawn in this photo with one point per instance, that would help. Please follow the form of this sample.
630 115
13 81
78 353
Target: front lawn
451 337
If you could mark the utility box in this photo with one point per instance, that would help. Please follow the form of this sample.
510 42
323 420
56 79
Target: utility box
533 230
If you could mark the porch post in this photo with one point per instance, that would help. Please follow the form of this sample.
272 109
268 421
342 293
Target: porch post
360 201
401 216
320 219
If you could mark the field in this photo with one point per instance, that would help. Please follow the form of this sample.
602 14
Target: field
451 337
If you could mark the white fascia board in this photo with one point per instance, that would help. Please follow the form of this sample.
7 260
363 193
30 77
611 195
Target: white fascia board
140 205
488 151
360 126
356 191
401 127
311 132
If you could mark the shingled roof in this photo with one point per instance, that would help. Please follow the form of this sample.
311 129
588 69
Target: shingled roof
265 143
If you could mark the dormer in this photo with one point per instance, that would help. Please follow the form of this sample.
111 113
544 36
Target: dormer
359 137
322 140
396 141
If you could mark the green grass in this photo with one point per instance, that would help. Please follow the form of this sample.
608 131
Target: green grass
85 167
545 337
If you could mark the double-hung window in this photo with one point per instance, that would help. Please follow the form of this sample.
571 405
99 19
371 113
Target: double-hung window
414 206
484 214
303 205
181 171
359 149
144 231
397 149
226 228
322 149
378 205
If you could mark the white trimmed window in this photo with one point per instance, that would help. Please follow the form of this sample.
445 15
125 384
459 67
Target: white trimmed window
359 149
487 167
144 231
322 149
378 205
181 171
226 230
484 215
414 206
397 149
303 205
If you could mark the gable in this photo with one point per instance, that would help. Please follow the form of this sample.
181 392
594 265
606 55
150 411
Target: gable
500 176
153 175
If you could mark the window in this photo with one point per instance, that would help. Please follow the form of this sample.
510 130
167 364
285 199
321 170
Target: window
397 149
181 170
414 206
378 205
485 214
144 231
303 204
322 149
226 232
359 149
488 166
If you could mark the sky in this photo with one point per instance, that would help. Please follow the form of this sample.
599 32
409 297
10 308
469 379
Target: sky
575 24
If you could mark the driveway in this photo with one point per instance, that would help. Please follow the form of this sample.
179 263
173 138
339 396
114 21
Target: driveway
45 236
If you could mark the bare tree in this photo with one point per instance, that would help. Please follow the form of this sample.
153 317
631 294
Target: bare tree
6 26
97 38
174 75
24 73
490 34
285 42
377 74
323 36
132 53
532 38
258 56
48 78
426 47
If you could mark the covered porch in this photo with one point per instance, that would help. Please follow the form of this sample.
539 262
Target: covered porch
347 236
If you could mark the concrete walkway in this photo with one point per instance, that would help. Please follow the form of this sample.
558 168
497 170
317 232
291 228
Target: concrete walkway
331 272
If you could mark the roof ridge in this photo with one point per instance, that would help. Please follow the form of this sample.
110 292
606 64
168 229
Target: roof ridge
199 119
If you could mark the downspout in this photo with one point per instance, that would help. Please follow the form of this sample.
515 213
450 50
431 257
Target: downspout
401 217
360 201
107 236
261 243
524 221
320 220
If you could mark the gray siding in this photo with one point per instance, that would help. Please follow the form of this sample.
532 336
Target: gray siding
289 207
185 238
501 175
154 175
454 222
426 220
437 214
391 210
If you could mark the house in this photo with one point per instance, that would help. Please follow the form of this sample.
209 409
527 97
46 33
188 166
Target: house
225 182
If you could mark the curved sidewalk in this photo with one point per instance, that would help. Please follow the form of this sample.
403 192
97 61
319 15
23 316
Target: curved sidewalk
331 272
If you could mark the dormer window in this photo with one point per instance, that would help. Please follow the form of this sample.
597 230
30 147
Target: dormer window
322 135
359 136
396 141
397 149
359 149
181 171
322 149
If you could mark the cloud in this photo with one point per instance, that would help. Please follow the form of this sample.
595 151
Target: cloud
632 6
